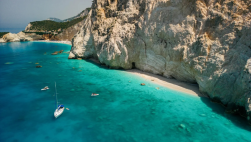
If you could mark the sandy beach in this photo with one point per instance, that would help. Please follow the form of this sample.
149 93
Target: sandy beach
64 42
192 89
174 84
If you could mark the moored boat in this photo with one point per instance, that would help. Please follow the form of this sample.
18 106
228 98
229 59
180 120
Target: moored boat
59 108
45 88
94 94
59 111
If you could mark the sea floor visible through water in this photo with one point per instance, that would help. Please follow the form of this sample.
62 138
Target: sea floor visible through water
124 111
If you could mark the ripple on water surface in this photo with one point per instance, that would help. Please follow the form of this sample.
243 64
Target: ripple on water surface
124 110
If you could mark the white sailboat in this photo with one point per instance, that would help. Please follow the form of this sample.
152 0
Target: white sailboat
59 108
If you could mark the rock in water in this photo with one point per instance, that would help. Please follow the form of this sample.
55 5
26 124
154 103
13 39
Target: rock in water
182 126
38 66
203 115
55 53
9 63
191 41
142 84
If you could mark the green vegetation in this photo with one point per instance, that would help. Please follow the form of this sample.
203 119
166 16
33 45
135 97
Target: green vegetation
89 9
51 25
3 33
37 33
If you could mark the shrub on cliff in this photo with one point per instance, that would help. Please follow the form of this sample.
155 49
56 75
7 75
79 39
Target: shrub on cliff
2 34
52 25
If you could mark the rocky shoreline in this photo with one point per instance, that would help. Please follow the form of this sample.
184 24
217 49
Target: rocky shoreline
197 41
19 37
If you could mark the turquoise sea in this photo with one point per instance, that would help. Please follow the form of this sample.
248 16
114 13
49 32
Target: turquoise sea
124 111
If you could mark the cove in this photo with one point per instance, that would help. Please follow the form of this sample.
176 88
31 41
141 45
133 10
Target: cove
124 111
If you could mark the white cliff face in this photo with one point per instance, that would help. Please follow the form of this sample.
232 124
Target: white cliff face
10 37
84 13
27 28
198 41
1 40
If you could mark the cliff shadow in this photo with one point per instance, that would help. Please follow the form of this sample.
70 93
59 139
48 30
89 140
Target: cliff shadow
100 65
97 63
220 109
188 88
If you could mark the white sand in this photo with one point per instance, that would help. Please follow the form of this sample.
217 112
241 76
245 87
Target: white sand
64 42
174 84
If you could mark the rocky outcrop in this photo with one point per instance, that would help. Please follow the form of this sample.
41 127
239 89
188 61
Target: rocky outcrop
1 40
197 41
10 37
49 37
28 27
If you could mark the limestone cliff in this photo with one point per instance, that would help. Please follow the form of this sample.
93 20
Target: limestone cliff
199 41
10 37
69 33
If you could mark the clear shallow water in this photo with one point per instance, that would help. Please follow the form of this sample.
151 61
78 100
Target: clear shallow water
123 112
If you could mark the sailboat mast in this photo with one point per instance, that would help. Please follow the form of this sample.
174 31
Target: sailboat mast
56 96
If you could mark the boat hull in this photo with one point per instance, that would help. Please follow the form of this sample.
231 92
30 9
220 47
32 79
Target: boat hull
58 112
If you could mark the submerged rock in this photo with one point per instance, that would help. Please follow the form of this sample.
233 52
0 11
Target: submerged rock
142 84
55 53
9 63
203 115
182 126
188 130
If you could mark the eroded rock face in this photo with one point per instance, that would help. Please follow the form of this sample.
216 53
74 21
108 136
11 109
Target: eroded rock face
1 40
27 28
201 41
10 37
21 36
69 33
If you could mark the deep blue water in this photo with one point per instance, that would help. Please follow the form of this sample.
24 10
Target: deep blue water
124 111
12 30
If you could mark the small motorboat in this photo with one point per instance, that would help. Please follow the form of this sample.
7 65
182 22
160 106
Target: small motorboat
45 88
94 94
